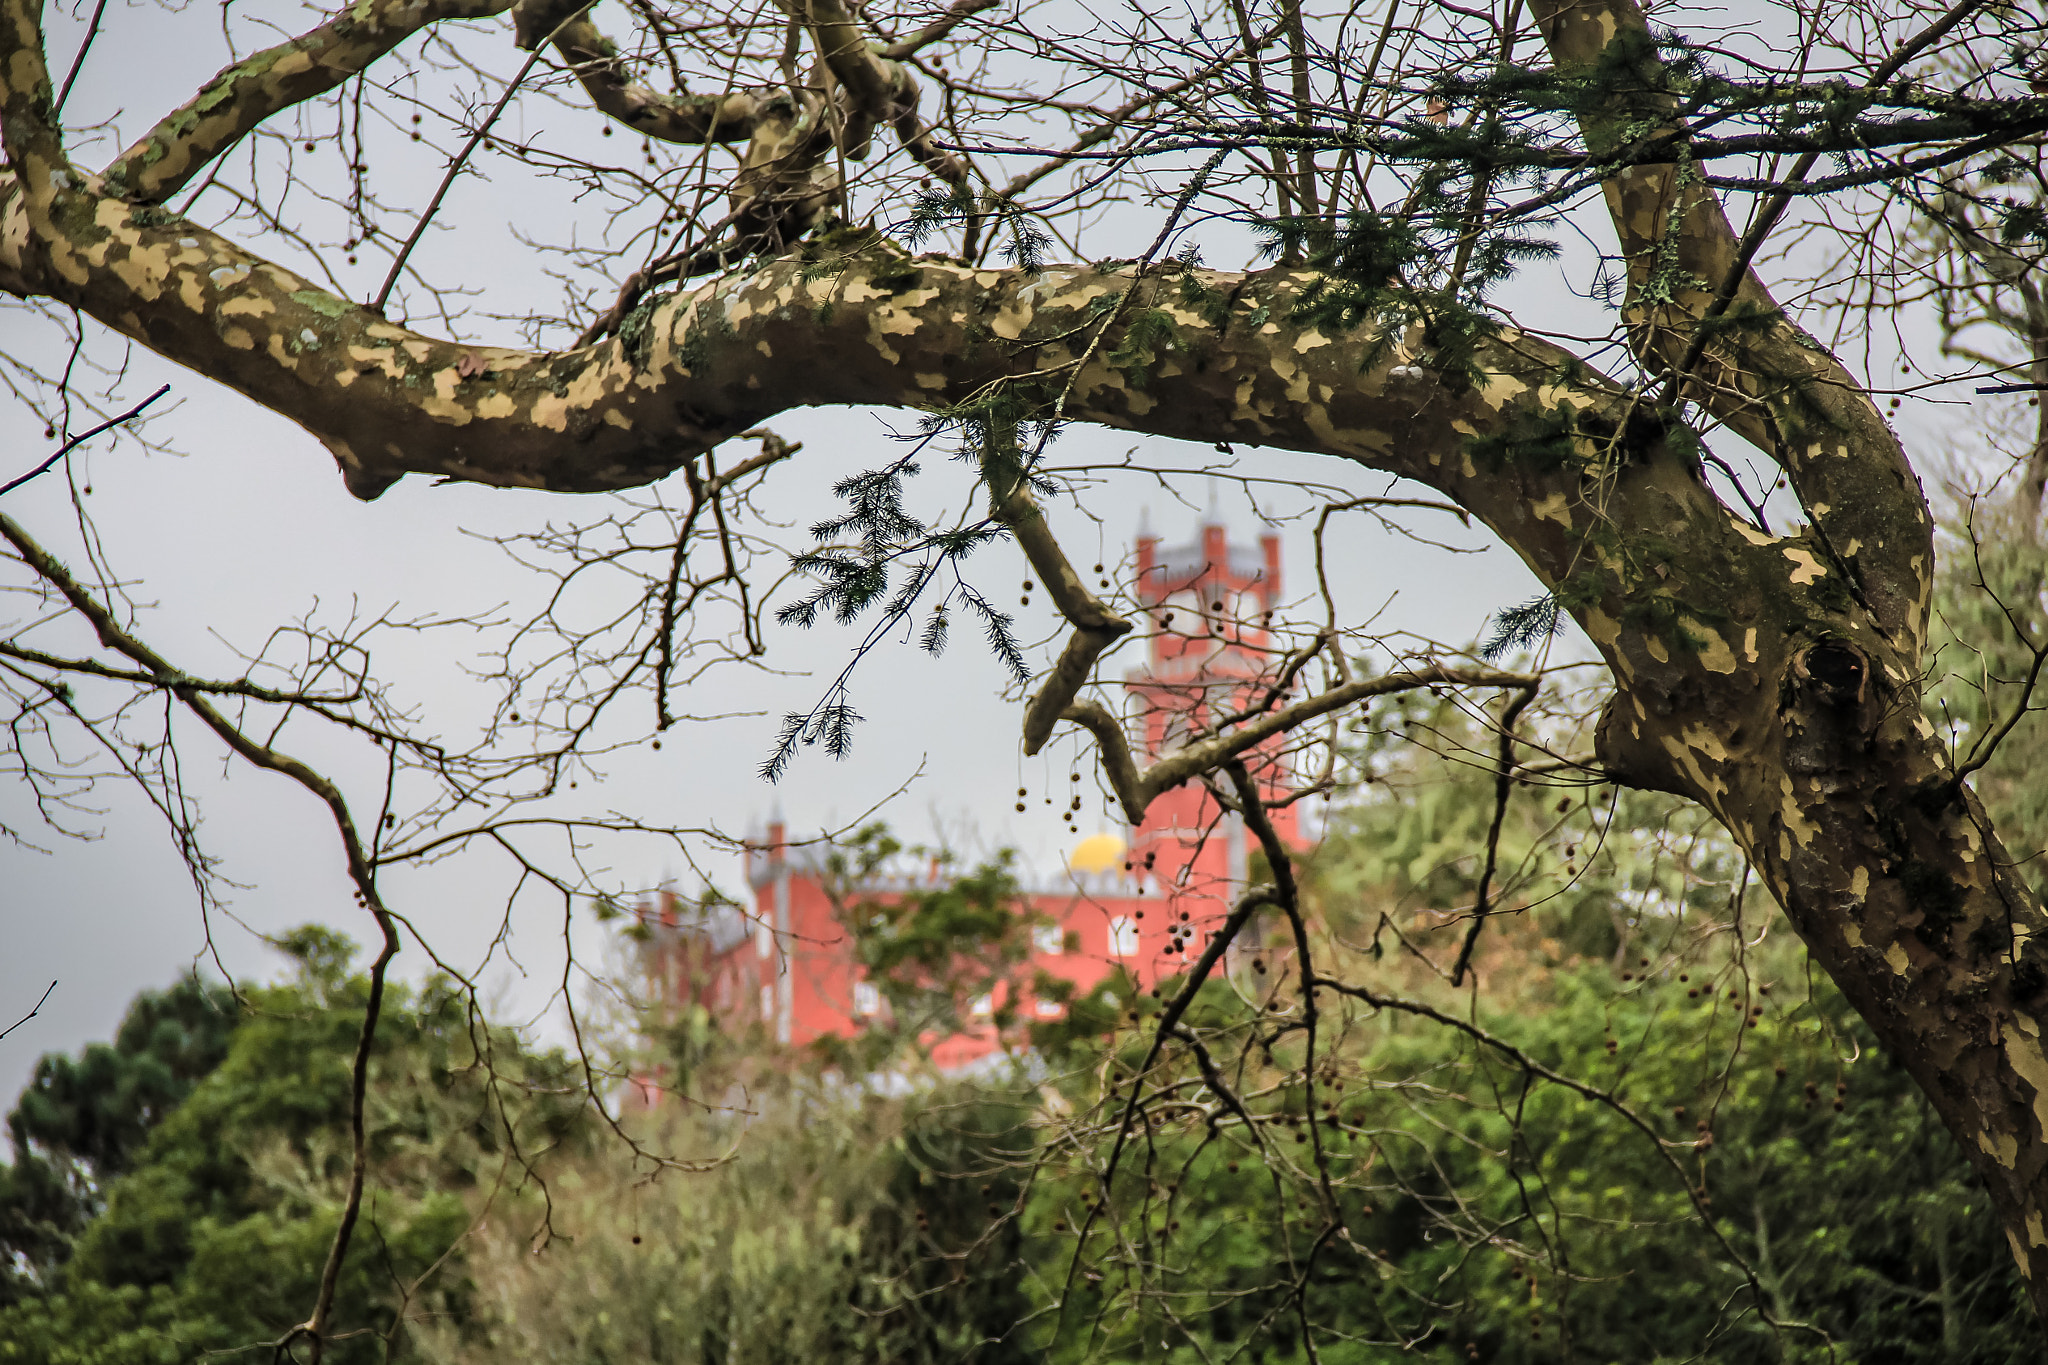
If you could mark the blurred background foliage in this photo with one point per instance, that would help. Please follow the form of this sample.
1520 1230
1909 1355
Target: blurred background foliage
209 1231
1990 633
1743 1176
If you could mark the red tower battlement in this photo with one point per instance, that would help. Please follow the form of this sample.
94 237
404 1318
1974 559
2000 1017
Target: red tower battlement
1145 903
1210 605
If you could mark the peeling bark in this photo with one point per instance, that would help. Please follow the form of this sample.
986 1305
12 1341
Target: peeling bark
238 99
1775 679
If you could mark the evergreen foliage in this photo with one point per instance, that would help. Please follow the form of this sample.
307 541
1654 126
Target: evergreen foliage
214 1237
83 1121
890 544
1765 1185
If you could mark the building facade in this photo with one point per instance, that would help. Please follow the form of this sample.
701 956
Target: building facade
1143 900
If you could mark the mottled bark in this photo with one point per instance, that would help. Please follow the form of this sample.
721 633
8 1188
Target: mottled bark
1762 375
669 116
1776 679
1809 741
239 98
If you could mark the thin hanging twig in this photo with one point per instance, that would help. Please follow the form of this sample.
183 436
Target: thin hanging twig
482 131
81 439
1503 782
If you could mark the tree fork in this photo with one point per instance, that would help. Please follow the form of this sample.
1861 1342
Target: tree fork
1773 678
1820 763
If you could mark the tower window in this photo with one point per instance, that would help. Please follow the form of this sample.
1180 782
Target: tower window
1123 937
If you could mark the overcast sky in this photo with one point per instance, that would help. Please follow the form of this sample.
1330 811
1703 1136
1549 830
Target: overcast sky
250 527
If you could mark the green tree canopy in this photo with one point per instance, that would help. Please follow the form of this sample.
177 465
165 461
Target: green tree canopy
84 1120
212 1237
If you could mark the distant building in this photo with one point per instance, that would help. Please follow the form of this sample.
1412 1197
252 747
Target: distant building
786 965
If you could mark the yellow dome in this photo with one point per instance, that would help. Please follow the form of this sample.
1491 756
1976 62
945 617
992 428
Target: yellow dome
1096 853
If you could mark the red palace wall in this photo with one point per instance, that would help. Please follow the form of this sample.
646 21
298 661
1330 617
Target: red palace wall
789 968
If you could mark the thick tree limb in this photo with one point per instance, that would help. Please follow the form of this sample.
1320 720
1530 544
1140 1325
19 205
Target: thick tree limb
231 105
878 90
1762 375
1773 679
679 117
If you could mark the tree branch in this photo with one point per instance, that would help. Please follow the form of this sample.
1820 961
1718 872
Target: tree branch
241 96
1503 784
1136 789
1771 383
595 61
81 439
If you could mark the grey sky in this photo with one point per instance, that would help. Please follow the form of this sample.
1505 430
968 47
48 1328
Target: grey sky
250 527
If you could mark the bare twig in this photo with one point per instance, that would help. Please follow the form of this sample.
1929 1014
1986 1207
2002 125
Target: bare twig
38 1009
1503 784
482 130
81 439
1136 789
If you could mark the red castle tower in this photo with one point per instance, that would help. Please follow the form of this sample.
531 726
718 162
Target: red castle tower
1211 607
786 964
